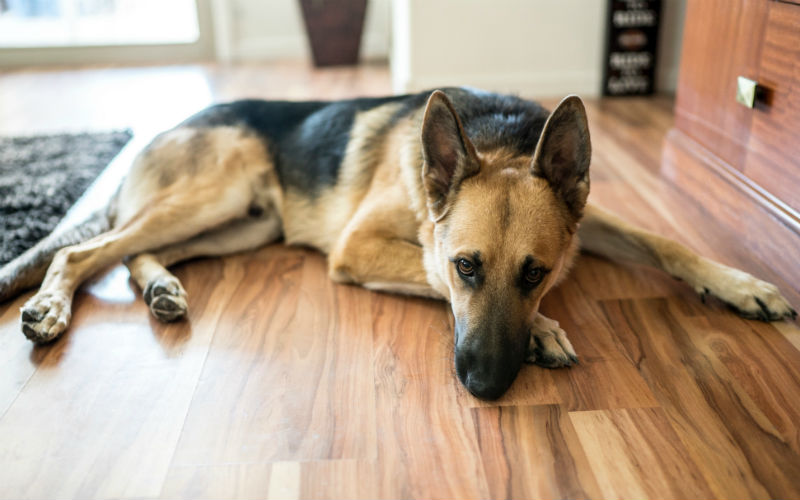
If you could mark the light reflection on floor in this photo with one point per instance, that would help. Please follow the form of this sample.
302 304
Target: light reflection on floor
113 286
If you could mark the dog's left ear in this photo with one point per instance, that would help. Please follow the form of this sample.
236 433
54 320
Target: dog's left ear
564 152
449 155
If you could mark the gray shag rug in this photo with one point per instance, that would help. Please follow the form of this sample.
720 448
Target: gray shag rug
40 179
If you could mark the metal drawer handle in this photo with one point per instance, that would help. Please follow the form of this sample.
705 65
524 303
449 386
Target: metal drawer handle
748 92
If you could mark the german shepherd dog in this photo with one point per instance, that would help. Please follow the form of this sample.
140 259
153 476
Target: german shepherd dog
463 195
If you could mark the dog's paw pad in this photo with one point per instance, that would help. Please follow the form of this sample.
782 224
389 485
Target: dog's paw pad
166 298
45 316
551 348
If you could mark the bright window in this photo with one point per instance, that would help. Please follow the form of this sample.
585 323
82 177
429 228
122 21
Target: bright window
70 23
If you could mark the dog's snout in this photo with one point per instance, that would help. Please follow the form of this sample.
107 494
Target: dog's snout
486 375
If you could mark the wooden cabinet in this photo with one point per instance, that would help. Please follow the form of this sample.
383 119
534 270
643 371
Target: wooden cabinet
773 146
756 149
721 41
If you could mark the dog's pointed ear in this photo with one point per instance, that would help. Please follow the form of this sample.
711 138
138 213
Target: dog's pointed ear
449 155
564 152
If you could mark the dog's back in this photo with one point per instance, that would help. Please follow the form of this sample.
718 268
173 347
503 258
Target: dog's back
326 154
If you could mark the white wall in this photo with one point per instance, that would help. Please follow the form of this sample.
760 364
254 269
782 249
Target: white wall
536 47
249 30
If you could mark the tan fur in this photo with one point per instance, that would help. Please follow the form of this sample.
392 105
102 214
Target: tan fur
507 214
223 188
318 221
192 192
383 230
231 168
607 235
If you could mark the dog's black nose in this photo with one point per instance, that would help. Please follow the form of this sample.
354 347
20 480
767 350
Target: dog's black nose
483 378
483 389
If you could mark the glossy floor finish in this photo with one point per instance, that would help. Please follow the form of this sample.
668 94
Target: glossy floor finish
284 385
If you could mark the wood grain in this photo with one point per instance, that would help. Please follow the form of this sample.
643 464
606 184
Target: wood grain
124 398
283 384
724 429
635 453
764 244
773 152
722 41
539 454
302 357
754 150
428 445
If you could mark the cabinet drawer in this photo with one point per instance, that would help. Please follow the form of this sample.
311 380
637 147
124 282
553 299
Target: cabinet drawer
722 40
773 148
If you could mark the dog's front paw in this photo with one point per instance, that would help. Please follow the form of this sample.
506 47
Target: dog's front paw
549 346
45 316
166 298
747 295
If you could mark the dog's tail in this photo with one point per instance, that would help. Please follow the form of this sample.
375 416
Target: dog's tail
28 270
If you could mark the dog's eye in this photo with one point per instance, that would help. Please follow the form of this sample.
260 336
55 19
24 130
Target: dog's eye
465 267
534 276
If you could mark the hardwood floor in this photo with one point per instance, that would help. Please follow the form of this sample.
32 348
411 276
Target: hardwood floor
282 384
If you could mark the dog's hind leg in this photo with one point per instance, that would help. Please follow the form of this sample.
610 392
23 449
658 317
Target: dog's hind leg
186 182
168 220
607 235
163 292
28 270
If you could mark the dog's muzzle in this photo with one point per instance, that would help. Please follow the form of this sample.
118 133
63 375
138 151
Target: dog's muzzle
487 362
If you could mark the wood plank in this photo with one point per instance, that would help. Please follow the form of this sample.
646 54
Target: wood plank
428 446
538 454
671 193
634 453
279 480
605 378
711 412
101 415
202 481
288 376
17 356
768 394
356 479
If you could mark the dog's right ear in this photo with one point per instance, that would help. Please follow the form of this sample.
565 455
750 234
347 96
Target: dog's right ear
449 155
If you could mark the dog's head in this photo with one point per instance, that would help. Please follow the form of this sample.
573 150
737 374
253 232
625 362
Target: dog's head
504 228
